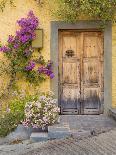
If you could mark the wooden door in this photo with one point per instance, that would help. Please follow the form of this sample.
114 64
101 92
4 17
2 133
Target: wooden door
80 72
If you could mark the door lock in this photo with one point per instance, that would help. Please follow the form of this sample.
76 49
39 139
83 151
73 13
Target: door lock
69 53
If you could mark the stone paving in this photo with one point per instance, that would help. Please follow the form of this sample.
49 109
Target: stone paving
82 125
87 122
18 149
103 144
76 126
101 141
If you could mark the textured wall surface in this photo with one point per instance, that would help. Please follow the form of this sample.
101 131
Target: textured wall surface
8 26
114 66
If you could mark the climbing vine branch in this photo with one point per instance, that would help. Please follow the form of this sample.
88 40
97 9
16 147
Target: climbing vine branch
74 10
19 54
4 2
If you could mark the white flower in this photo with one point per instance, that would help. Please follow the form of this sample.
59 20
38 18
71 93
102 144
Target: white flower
41 98
42 112
38 104
54 101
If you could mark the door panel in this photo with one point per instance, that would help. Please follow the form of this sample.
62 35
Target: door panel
91 100
69 71
90 45
81 81
70 97
92 72
71 85
69 43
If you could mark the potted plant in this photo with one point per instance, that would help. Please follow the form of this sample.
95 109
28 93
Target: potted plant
41 113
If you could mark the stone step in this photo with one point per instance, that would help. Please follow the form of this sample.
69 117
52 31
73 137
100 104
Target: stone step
76 127
55 128
54 132
57 132
112 113
39 136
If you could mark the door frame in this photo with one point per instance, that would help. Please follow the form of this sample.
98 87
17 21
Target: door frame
84 25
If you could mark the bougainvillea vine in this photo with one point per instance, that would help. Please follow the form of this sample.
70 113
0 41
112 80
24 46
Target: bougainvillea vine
19 51
47 70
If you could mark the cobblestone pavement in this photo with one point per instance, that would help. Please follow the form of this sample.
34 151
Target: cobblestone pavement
103 144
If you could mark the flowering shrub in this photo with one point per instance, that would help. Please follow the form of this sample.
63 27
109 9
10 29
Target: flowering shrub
41 112
9 122
19 51
13 114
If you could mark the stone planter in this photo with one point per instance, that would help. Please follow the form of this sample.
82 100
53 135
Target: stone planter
31 130
20 133
40 129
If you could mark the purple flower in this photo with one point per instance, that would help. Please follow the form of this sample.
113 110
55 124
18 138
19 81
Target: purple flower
10 39
30 66
16 46
40 69
30 14
49 65
24 38
24 35
46 71
52 76
5 49
28 26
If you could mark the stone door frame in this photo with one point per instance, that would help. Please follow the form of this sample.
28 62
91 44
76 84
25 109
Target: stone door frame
82 25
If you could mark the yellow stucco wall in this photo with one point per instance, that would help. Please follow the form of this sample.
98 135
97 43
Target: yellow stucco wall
8 26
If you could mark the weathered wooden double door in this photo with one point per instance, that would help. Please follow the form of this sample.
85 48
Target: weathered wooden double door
81 81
